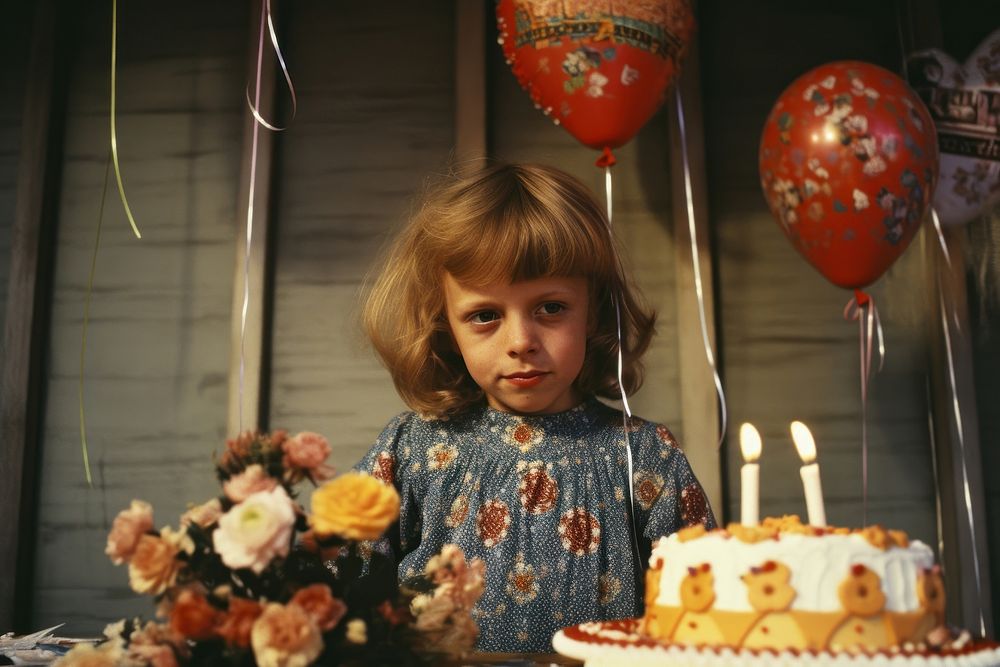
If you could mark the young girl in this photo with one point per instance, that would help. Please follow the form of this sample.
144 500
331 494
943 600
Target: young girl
495 314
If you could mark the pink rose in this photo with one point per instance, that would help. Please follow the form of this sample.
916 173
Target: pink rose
126 530
252 480
306 450
256 530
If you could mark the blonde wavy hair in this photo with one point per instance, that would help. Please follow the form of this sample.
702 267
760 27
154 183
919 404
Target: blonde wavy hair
505 222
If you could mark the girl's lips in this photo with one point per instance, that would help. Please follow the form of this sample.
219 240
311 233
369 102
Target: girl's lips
525 380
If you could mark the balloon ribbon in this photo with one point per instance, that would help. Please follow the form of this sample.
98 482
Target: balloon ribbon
862 308
699 289
265 19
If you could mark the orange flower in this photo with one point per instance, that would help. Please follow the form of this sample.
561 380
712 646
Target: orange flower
193 616
154 655
354 506
154 565
128 527
238 621
285 636
203 515
324 609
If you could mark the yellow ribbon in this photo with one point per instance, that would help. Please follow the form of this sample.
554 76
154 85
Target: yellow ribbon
114 132
86 321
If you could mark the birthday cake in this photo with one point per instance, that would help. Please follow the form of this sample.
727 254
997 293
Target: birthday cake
817 595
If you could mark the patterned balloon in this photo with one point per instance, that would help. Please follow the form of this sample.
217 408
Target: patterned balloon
965 104
848 163
599 68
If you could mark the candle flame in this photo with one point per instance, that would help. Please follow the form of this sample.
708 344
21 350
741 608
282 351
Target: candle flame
804 442
750 443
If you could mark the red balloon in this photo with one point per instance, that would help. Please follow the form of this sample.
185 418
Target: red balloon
598 68
848 164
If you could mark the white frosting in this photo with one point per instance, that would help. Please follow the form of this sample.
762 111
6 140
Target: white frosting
818 564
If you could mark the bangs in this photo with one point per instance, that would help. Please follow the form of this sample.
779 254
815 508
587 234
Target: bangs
517 235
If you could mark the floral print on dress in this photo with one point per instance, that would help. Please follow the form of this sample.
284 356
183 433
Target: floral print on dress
441 456
521 584
647 488
492 522
523 436
538 490
459 510
385 468
579 531
608 588
694 505
543 501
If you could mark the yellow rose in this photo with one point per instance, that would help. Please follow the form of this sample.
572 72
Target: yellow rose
354 506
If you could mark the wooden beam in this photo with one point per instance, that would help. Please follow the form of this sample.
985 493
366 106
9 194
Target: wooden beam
248 354
699 400
470 79
26 323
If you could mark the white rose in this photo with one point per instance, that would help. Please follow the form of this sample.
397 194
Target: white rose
256 530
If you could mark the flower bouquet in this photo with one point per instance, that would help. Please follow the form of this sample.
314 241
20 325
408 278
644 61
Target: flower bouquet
251 578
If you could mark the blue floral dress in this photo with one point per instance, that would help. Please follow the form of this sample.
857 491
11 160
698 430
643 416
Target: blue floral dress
542 500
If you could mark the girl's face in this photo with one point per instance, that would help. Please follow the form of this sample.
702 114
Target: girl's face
523 343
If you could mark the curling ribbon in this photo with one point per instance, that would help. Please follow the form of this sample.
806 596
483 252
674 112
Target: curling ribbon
114 131
607 160
254 107
960 431
86 322
698 287
862 308
265 19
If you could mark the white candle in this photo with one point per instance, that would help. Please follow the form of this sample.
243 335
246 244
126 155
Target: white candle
750 446
806 446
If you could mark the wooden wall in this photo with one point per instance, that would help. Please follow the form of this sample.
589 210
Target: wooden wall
157 352
376 115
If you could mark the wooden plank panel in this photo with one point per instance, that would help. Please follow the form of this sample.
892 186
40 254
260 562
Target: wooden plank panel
25 319
158 340
247 381
470 79
376 117
787 353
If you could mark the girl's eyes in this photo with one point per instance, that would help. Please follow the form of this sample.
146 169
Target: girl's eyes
484 317
490 316
552 308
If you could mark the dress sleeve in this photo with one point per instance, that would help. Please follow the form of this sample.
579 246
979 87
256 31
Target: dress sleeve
389 461
667 494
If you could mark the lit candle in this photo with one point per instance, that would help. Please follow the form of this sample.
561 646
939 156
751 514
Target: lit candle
750 475
810 473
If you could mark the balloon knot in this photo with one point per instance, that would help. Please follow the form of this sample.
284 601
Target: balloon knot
861 297
607 158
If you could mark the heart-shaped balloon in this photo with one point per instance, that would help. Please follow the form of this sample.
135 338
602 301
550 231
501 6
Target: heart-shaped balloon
964 102
848 163
598 68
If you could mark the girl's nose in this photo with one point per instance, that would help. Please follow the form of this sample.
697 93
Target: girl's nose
522 339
